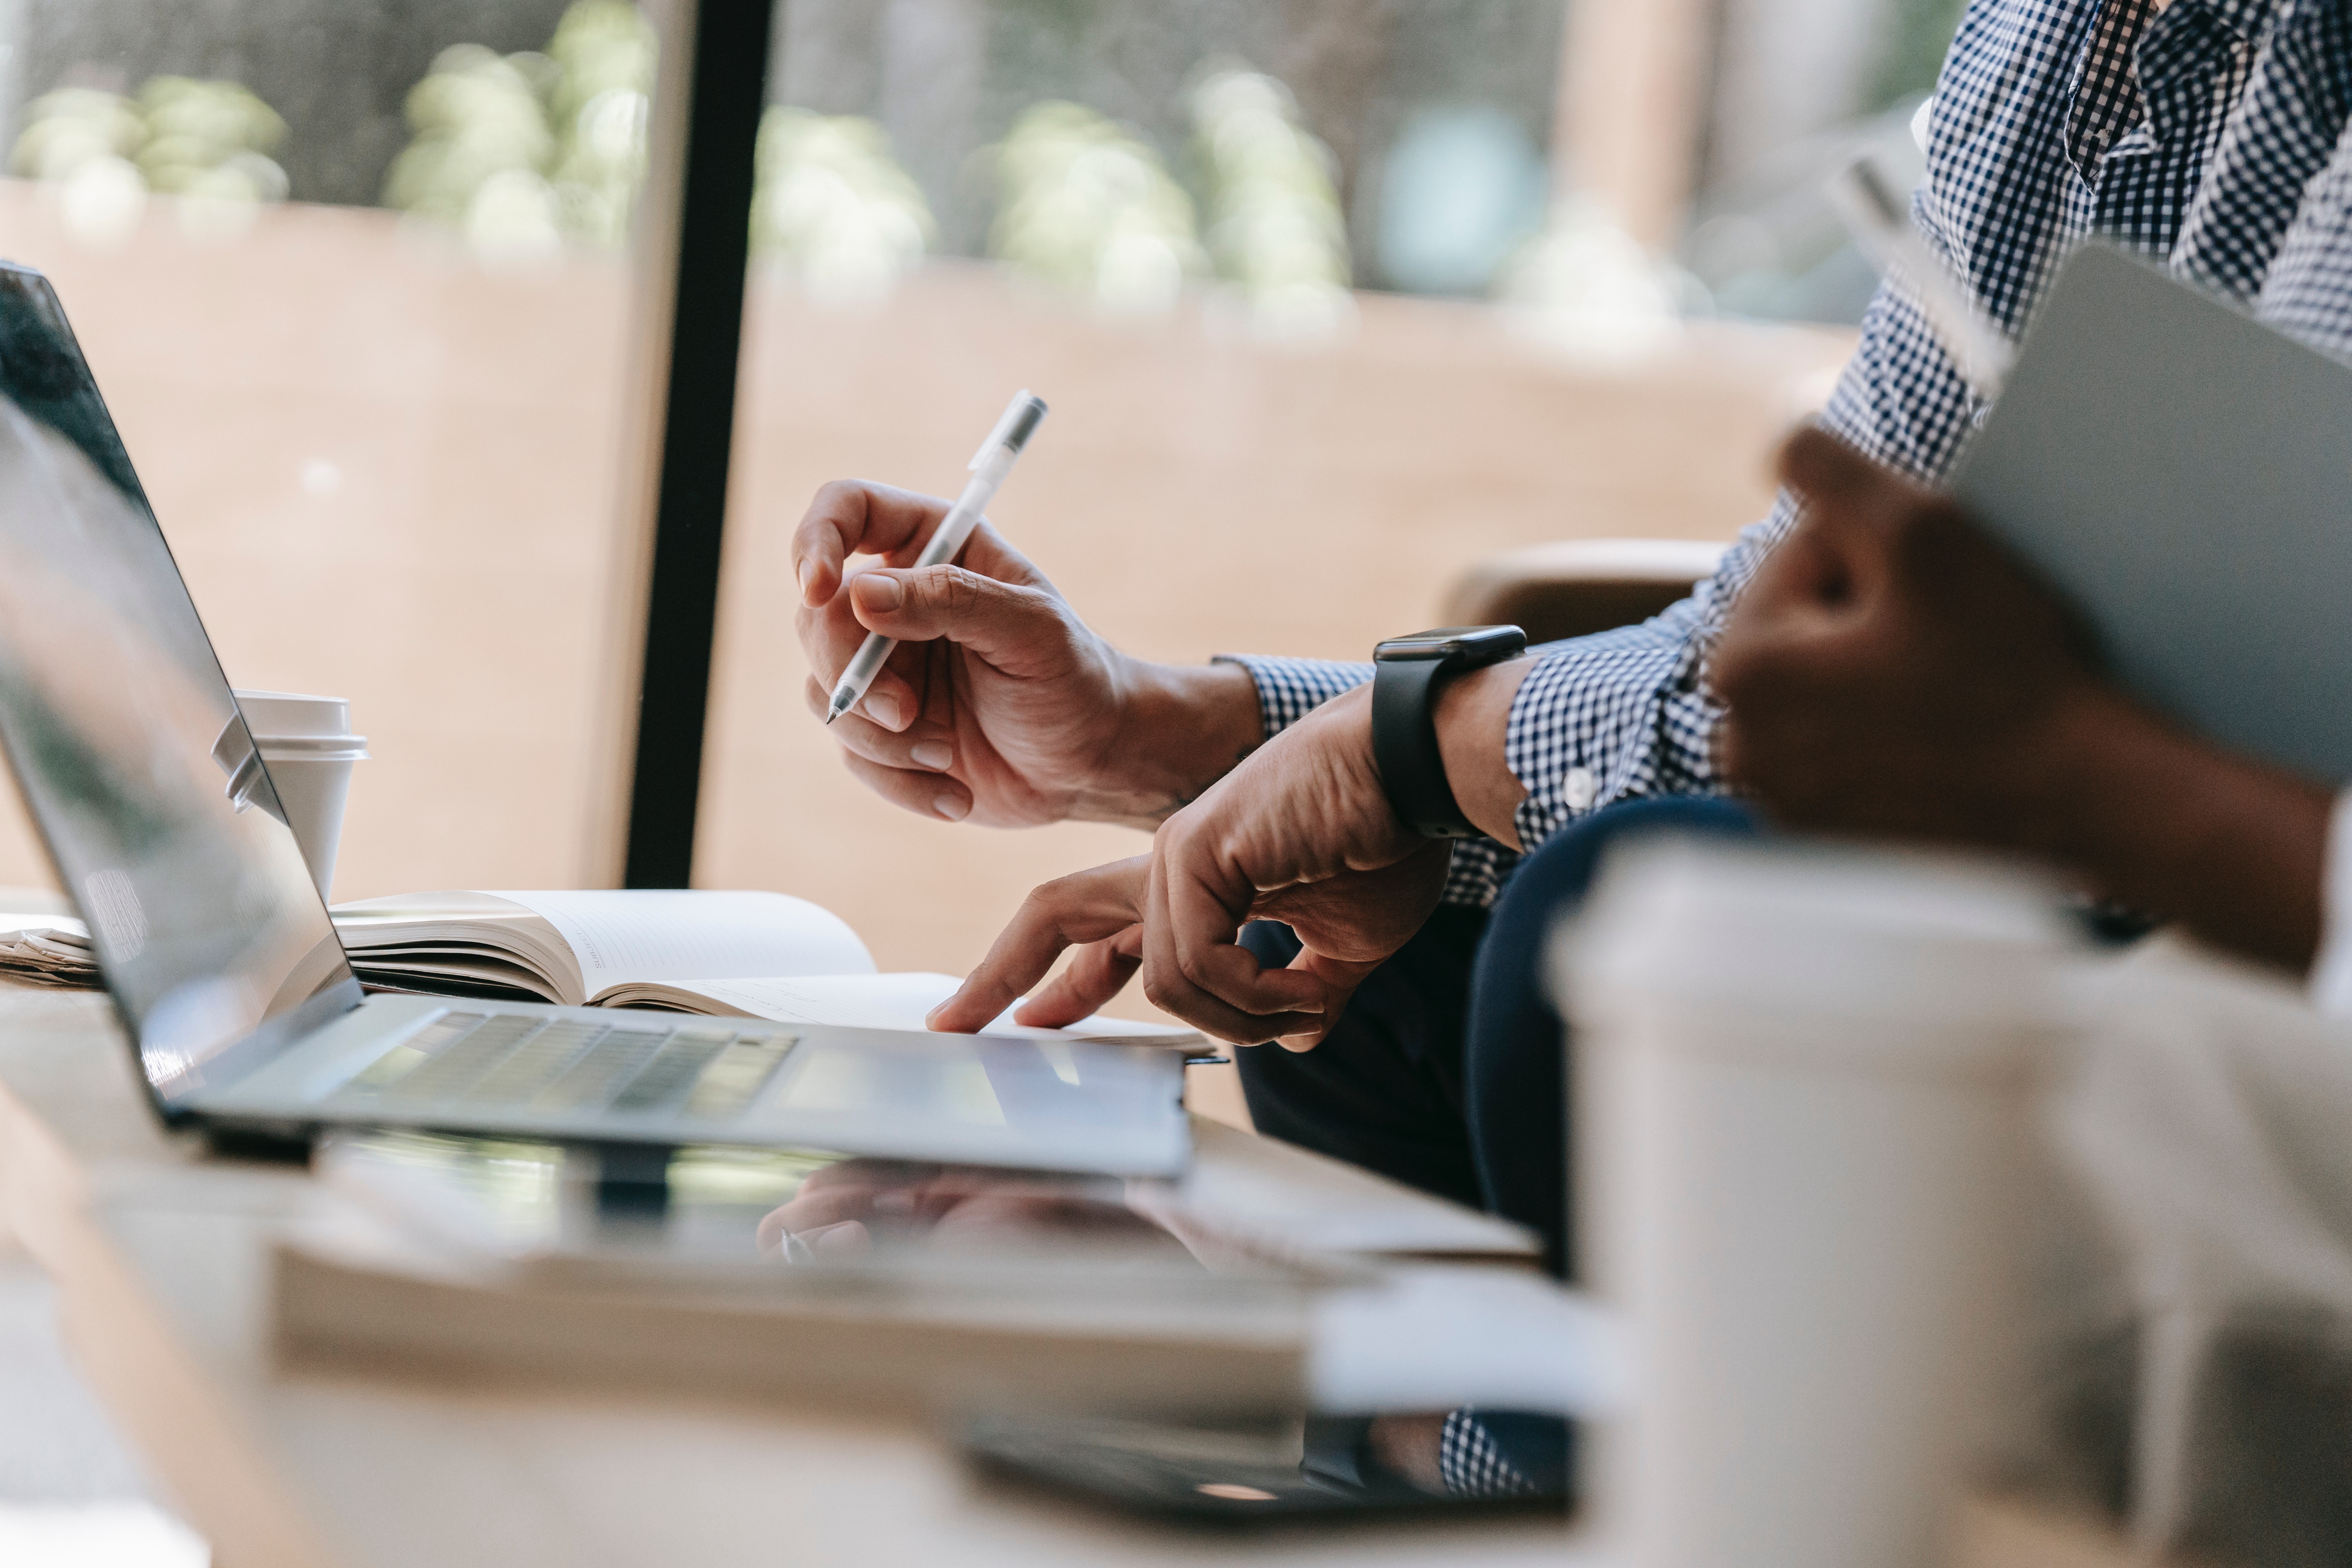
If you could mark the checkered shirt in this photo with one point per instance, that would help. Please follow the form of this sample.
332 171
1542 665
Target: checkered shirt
2210 135
1469 1463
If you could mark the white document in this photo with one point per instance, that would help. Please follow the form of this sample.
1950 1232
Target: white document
675 935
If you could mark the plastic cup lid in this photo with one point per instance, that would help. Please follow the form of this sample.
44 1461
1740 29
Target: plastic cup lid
281 715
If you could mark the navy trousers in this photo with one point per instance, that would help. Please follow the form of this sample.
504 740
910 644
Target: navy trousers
1448 1071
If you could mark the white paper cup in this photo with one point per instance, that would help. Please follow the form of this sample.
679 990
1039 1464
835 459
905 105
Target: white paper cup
1806 1165
309 748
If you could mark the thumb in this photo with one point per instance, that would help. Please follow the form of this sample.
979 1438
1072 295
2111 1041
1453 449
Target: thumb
1340 977
1006 624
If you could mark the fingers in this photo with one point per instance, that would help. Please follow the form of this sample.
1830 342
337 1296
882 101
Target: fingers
1340 977
1220 990
1096 972
1084 907
922 746
831 636
1020 630
924 793
853 517
1829 473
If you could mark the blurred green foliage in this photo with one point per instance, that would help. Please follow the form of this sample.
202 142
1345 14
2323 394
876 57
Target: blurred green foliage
207 143
1275 230
831 208
1086 209
520 153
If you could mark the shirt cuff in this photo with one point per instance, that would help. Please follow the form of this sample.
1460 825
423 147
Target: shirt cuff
1290 689
2331 973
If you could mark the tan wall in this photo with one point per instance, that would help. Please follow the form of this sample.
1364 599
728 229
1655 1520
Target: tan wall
1194 491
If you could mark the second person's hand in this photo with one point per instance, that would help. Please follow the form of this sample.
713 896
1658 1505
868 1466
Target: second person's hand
1000 704
1301 832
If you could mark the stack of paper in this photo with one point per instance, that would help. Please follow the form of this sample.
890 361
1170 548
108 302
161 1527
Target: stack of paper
47 950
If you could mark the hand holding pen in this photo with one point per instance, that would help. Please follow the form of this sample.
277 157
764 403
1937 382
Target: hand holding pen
1000 706
989 466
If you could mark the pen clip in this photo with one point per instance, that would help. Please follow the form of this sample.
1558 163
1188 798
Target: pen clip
1022 417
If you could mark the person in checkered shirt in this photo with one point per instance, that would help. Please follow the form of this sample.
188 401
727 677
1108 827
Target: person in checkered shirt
2208 134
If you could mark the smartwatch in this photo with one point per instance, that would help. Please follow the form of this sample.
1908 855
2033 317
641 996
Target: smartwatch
1404 719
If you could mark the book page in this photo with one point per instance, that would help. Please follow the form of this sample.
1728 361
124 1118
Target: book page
901 1001
661 934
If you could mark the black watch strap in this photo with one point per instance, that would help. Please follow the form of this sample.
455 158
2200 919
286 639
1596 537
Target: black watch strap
1405 672
1404 746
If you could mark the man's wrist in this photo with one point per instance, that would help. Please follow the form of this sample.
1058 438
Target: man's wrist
1182 728
1473 721
2164 821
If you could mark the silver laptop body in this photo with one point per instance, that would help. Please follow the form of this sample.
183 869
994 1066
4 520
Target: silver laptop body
226 972
2183 474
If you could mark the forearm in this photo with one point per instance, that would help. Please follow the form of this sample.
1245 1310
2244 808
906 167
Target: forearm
2161 821
1181 728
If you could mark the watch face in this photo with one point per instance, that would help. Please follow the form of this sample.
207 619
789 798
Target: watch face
1452 642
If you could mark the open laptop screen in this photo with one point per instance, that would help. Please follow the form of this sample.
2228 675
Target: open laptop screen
163 824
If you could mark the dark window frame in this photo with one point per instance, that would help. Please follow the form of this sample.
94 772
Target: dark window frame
727 93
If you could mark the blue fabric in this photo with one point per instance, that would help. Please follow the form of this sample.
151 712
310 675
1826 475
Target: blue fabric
1514 1079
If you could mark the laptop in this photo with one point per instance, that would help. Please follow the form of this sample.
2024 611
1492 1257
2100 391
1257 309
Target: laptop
166 829
2183 474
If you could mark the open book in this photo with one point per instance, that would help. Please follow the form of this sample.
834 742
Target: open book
734 955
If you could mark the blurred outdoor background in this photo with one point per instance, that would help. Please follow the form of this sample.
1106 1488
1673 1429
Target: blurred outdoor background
1331 300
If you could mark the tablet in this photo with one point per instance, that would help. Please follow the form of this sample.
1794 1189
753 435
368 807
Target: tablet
2183 473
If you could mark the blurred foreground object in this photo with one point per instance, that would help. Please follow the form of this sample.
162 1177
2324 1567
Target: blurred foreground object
1804 1095
1087 209
522 154
2197 1379
1902 1191
1275 230
832 209
207 144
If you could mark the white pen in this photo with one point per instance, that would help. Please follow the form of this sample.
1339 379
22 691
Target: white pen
989 465
1881 224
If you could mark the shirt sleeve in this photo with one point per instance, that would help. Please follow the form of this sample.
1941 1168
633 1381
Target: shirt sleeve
1290 689
2331 971
1628 714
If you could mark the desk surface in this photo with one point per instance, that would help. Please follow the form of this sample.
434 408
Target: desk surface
160 1257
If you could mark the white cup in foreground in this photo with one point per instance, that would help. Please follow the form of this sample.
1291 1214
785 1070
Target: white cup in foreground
309 748
1807 1163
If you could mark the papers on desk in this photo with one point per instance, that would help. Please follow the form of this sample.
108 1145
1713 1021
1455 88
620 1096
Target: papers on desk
47 950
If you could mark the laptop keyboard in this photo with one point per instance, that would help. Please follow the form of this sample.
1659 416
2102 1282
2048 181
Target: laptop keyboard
494 1062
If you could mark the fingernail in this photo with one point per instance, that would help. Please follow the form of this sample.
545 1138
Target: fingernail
935 754
883 710
954 807
803 575
881 594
